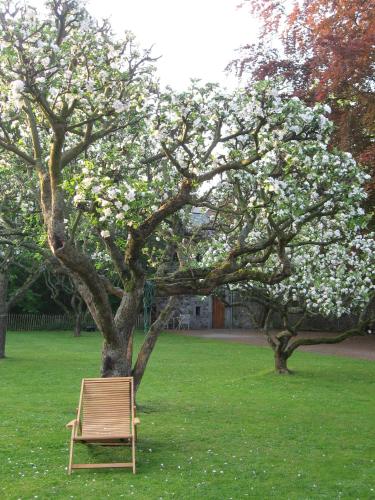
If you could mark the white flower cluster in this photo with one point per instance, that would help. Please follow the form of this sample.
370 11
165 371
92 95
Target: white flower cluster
81 68
16 89
311 192
334 280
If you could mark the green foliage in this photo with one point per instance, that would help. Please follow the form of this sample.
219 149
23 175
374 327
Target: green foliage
219 430
36 300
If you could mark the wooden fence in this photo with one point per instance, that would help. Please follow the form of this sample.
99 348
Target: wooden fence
29 322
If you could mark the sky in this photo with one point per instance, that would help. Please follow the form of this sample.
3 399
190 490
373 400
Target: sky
195 38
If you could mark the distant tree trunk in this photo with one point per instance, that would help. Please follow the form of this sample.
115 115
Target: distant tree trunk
278 343
3 312
78 324
58 281
6 305
281 362
77 306
281 350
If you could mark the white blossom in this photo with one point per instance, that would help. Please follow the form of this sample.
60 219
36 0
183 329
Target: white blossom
119 106
17 86
131 195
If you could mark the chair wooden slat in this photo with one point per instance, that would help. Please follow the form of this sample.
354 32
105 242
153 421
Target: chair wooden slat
106 413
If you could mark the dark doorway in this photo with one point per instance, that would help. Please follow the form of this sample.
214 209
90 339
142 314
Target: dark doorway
218 313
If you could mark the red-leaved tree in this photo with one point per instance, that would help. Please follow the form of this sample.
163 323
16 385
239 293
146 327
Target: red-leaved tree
325 49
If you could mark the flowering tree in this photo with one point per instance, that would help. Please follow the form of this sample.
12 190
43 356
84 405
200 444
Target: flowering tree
325 50
328 280
81 108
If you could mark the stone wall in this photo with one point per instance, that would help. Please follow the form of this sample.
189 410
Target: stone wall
249 317
198 308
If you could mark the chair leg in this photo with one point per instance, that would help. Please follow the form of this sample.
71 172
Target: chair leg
133 454
71 452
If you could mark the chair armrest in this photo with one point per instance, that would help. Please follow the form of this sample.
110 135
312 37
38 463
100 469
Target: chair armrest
72 423
137 421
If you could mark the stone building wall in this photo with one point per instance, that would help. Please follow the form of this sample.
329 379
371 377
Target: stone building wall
198 308
200 312
247 317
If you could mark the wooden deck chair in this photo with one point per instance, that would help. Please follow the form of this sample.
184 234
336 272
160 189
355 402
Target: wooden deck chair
105 416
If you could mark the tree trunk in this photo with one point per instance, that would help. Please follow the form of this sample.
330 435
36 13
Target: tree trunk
117 355
115 361
150 341
78 324
3 312
281 360
3 333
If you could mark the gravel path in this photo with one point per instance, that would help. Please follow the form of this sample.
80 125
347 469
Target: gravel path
355 347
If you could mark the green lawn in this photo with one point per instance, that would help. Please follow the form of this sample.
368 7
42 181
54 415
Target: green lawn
216 423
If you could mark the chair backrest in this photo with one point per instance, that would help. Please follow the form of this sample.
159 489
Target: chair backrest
184 318
106 406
